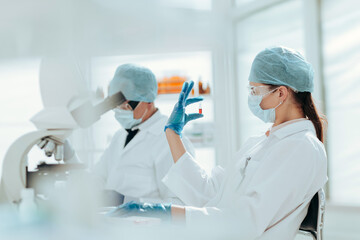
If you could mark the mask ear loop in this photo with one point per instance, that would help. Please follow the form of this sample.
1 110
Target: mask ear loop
142 117
278 104
145 113
280 101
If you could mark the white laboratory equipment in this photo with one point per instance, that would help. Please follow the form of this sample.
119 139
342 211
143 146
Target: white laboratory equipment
66 107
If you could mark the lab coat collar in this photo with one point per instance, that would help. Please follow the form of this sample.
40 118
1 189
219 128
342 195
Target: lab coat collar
152 124
287 130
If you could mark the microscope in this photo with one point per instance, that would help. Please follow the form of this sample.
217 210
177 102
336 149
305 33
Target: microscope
65 109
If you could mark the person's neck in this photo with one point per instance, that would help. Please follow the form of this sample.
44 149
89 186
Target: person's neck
150 113
288 115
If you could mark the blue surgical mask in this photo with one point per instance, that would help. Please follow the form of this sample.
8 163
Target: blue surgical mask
267 115
126 118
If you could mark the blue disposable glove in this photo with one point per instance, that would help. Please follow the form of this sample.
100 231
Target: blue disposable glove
178 118
132 208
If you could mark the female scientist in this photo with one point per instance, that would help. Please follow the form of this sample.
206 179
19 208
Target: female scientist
268 186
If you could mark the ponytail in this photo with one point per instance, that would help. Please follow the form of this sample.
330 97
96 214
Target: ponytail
312 113
306 101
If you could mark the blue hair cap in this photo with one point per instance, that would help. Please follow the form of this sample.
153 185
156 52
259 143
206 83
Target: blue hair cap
137 83
282 66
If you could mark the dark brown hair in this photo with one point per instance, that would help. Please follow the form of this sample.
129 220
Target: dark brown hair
306 101
310 110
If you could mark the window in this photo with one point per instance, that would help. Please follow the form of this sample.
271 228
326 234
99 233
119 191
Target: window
19 101
279 25
239 3
189 4
341 36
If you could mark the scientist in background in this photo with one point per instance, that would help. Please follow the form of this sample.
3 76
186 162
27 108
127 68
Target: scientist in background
138 156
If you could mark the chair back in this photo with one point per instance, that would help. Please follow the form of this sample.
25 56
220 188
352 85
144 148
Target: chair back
313 222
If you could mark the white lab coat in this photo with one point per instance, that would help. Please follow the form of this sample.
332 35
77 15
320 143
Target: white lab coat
269 197
136 170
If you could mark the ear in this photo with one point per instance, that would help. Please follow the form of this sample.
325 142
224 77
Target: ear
283 92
